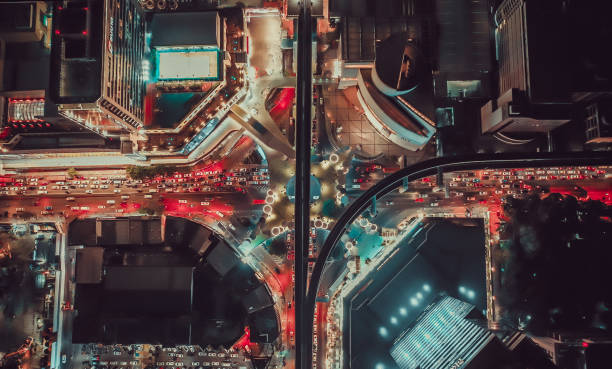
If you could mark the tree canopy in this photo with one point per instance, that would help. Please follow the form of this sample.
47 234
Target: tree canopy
556 263
277 247
72 172
143 172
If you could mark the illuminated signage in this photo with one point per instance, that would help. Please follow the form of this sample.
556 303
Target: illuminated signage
111 32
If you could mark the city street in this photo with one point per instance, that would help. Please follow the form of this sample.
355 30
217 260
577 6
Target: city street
215 162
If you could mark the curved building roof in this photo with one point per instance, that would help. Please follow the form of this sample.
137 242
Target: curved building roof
399 65
399 123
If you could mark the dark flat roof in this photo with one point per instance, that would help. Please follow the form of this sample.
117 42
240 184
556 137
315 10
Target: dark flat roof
147 278
451 256
82 232
264 325
222 258
184 29
89 265
257 299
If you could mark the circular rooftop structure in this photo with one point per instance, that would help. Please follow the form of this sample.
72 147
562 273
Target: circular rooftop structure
399 66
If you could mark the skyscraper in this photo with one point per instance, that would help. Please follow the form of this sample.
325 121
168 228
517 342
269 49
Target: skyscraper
96 68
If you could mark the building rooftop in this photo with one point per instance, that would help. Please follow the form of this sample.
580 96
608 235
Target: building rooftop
136 289
169 29
89 265
439 258
445 337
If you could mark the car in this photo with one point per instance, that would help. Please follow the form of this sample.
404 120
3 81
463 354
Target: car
104 186
41 192
220 214
84 207
388 202
182 201
64 359
117 190
204 203
148 196
110 201
152 190
88 191
69 198
101 207
125 197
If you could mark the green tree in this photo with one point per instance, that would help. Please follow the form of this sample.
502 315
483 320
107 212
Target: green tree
277 247
72 172
330 209
557 252
147 211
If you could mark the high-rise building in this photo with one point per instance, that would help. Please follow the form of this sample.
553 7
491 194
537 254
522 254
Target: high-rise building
533 82
96 64
25 21
599 122
578 350
549 58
